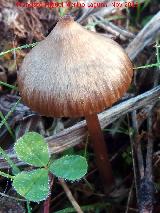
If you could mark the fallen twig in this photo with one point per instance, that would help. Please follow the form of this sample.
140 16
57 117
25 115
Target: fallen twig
143 168
70 196
129 197
77 133
102 11
147 35
113 29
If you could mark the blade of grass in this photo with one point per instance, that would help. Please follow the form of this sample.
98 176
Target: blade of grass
7 126
146 2
158 58
158 52
148 66
61 9
28 207
138 11
8 85
123 131
9 113
87 208
15 169
6 175
19 48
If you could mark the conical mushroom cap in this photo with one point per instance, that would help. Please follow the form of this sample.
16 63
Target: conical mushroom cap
74 72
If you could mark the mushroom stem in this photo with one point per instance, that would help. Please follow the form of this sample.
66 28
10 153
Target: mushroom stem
100 150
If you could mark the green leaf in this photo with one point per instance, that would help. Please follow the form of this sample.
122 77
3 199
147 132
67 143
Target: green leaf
32 149
34 185
70 167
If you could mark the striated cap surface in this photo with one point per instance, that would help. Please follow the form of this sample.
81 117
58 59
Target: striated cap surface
74 72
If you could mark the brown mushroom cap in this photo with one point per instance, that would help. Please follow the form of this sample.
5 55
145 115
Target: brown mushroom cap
74 72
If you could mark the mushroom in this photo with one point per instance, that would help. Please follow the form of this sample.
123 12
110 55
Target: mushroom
74 72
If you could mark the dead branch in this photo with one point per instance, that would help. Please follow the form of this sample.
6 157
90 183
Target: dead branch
143 167
70 196
145 37
146 190
133 150
113 29
77 133
103 11
129 197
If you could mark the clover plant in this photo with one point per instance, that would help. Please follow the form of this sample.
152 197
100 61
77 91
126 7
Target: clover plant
32 149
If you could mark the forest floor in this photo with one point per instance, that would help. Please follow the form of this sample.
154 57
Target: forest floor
130 127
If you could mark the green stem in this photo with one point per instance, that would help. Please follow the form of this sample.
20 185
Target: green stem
6 175
61 9
158 52
8 85
7 126
19 48
9 113
28 207
15 169
147 66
